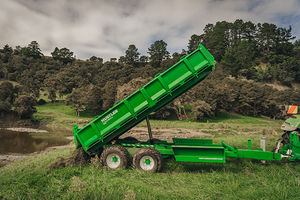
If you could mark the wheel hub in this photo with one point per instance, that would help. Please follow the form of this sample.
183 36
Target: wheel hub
147 163
113 161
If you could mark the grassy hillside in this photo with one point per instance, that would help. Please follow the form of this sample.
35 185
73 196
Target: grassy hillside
31 177
60 117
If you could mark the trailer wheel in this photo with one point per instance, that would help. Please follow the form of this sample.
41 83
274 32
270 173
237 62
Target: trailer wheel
115 157
148 159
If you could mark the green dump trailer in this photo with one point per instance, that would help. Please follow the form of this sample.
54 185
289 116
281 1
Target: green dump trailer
101 136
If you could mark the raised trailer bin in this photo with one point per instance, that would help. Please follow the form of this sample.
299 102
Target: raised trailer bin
164 88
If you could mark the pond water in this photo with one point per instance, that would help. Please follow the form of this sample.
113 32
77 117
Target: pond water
24 142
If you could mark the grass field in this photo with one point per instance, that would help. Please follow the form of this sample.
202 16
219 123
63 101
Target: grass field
238 179
31 177
60 118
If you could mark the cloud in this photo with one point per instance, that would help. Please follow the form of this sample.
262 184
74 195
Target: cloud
106 28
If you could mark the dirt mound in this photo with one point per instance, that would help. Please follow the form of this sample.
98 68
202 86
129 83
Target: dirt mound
79 158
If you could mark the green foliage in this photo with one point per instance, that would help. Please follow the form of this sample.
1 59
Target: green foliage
5 107
64 55
7 52
94 100
77 99
7 49
109 93
237 45
216 38
201 110
52 95
272 38
194 43
7 92
32 50
239 60
287 70
96 59
158 52
144 59
132 55
24 106
7 96
31 82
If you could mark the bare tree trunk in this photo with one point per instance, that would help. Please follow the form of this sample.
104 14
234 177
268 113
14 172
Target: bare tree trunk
77 113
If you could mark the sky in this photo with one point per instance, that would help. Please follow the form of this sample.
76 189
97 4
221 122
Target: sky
106 28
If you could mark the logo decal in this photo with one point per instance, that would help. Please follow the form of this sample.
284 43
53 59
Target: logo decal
109 117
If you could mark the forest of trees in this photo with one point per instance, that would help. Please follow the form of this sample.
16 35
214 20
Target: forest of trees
249 58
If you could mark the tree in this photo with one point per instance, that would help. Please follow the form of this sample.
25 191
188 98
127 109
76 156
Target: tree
266 36
297 49
7 49
122 59
194 43
236 29
282 44
158 52
108 94
248 31
286 71
132 55
64 55
52 95
144 59
77 99
31 85
5 107
7 96
201 109
32 50
7 92
176 56
7 54
24 106
94 101
239 60
216 38
17 50
96 59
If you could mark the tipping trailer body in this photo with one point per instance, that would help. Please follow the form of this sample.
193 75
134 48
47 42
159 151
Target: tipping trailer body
164 88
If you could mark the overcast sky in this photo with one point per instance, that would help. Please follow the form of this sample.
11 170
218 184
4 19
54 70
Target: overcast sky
106 28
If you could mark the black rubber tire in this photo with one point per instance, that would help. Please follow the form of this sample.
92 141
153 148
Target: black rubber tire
132 139
151 152
118 150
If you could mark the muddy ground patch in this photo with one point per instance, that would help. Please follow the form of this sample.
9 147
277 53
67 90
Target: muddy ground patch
78 158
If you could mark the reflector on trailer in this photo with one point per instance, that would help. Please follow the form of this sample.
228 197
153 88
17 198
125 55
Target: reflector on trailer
292 110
